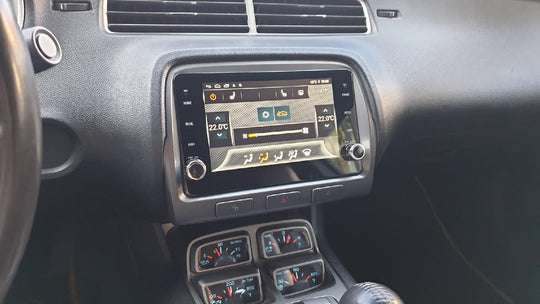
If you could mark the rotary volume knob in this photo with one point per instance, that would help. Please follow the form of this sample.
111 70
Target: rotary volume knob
195 169
353 151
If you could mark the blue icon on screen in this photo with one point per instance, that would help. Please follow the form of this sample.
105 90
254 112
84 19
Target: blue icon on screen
265 114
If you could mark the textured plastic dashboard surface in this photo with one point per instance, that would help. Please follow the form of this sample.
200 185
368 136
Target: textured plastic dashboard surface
440 67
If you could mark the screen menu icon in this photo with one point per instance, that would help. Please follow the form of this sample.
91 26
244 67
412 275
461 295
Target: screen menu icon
265 114
282 113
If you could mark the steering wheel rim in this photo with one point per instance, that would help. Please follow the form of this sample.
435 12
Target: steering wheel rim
20 147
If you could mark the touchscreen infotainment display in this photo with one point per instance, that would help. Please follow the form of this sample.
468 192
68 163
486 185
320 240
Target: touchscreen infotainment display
263 123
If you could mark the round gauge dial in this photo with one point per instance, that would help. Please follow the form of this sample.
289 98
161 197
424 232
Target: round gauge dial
238 291
286 241
223 253
299 278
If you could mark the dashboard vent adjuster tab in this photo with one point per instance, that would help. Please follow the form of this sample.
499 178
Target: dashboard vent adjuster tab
177 16
310 16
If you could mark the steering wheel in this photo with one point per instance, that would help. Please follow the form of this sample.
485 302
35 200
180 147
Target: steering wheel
20 147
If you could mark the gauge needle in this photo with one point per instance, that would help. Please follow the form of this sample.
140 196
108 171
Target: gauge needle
295 240
308 277
288 238
294 279
217 252
209 257
219 297
229 289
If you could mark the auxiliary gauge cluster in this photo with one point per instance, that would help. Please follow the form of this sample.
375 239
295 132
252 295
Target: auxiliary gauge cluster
267 263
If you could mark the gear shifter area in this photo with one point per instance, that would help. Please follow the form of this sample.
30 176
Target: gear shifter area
361 293
370 293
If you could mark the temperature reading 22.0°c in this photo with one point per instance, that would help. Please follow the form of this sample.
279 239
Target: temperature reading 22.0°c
223 253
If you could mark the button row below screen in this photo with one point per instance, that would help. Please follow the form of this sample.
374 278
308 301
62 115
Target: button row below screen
279 200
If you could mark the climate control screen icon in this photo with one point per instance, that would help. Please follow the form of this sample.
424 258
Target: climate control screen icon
293 154
265 114
248 158
278 157
263 157
306 152
283 113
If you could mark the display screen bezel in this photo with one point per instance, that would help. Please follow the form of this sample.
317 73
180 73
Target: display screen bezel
252 178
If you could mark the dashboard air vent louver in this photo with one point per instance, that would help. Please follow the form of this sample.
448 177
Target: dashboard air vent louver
310 16
177 16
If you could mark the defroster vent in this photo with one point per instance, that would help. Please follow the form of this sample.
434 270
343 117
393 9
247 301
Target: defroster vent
310 16
177 16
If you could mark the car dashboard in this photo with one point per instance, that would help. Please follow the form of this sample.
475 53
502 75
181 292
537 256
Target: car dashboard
186 117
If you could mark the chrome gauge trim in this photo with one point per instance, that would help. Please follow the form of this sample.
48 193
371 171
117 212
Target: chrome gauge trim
261 241
298 265
254 274
251 232
198 255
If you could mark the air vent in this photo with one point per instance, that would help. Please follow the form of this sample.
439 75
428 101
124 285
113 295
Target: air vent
310 16
177 16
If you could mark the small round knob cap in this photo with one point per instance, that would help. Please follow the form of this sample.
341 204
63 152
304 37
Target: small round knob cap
44 48
353 151
196 169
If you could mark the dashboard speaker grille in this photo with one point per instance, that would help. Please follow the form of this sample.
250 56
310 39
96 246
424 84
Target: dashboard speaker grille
177 16
310 16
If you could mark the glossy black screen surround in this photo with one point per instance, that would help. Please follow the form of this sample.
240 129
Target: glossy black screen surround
191 123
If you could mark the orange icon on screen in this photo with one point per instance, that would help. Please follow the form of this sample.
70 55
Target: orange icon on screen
263 157
213 97
282 114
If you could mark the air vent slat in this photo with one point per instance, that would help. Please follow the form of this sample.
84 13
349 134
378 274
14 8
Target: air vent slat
177 18
180 16
310 16
312 2
277 8
176 6
309 20
297 29
175 28
192 2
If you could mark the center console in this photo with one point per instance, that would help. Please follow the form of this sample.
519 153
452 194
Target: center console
247 137
275 262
